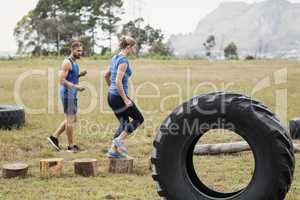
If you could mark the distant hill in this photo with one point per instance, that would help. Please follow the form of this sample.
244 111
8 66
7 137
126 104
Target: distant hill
270 28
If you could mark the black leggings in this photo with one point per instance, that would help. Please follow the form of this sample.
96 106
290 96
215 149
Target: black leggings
123 113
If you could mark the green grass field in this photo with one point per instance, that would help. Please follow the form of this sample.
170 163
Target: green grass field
157 87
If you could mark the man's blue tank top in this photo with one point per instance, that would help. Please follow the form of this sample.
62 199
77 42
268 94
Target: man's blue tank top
116 61
73 77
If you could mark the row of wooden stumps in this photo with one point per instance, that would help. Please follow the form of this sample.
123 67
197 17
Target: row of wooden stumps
53 167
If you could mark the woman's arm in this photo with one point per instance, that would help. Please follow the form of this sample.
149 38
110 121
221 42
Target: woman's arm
120 75
107 75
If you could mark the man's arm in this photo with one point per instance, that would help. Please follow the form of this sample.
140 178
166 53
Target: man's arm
66 67
83 73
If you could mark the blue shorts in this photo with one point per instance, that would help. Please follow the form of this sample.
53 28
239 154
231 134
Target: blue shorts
70 105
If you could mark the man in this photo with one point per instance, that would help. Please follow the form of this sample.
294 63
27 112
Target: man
69 86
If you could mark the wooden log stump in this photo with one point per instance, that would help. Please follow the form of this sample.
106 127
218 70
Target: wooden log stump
297 148
14 170
85 167
120 166
222 148
228 148
51 167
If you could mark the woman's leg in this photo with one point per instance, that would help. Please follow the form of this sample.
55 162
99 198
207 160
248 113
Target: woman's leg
117 105
124 120
137 119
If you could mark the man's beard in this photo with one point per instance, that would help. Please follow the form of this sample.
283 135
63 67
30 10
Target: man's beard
76 57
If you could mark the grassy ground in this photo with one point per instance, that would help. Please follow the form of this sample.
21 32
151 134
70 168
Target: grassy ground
169 83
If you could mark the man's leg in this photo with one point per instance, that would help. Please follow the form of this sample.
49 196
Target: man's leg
61 128
53 139
70 121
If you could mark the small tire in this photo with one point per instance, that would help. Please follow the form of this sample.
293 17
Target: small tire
172 158
295 128
11 117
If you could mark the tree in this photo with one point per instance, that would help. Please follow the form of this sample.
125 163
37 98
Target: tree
133 29
161 48
109 19
87 46
153 35
144 35
209 44
231 51
27 38
54 23
47 21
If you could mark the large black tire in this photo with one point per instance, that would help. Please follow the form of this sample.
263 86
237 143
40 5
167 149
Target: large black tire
172 157
11 117
295 128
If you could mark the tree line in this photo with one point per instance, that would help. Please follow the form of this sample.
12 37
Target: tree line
230 51
49 28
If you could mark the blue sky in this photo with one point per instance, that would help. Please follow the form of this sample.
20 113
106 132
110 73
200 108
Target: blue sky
172 16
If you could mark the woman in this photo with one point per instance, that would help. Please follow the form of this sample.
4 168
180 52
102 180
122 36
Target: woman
117 77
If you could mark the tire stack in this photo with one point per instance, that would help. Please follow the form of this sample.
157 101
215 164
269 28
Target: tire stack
11 117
